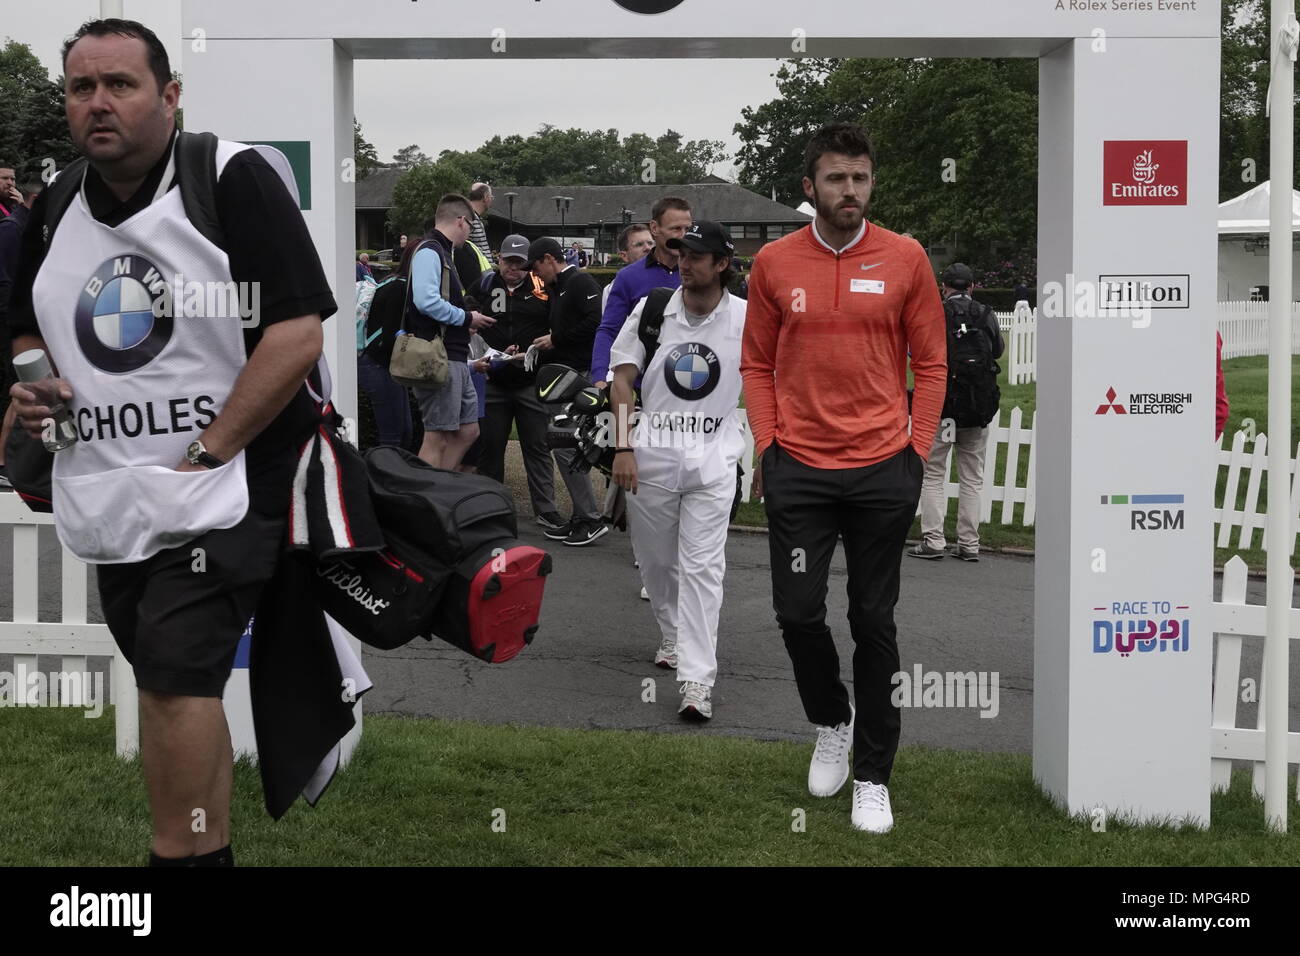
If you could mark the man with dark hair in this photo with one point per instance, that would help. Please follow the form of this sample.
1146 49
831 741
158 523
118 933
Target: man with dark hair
519 302
669 219
11 198
449 411
480 201
964 316
574 316
227 406
834 310
680 462
634 243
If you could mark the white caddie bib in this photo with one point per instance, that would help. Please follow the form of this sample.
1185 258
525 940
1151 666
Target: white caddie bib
690 433
143 322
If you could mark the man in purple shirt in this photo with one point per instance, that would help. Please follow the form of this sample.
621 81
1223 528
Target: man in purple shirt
669 219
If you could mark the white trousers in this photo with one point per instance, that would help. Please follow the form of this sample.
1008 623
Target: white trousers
680 540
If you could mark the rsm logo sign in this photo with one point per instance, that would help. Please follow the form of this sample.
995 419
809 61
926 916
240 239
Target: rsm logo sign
648 6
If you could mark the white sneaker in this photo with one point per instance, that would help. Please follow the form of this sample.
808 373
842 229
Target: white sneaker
666 656
645 595
871 810
695 701
830 761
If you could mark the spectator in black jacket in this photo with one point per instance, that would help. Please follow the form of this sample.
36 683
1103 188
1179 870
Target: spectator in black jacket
11 230
519 302
575 316
389 401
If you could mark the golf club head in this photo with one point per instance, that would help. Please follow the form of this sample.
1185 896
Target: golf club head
589 401
559 383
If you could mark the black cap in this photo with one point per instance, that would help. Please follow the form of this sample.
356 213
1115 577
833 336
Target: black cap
705 236
957 276
542 247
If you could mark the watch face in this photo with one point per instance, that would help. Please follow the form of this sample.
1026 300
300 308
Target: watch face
192 453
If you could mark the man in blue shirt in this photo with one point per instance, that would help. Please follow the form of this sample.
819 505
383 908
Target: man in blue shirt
669 219
450 411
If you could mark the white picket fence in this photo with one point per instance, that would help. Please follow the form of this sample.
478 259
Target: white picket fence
71 637
1001 492
1243 325
1234 621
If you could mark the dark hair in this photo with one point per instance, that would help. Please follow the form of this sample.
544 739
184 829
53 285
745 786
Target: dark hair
452 205
158 62
404 264
848 139
668 202
480 192
727 275
625 237
4 165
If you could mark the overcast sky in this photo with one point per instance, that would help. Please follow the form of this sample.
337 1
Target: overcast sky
701 99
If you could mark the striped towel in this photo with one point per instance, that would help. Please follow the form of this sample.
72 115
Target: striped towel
330 513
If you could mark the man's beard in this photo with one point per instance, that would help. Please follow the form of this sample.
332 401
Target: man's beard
831 213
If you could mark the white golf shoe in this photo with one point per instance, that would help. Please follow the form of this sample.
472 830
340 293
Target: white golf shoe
830 760
871 811
696 701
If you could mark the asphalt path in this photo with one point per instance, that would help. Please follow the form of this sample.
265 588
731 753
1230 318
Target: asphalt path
592 657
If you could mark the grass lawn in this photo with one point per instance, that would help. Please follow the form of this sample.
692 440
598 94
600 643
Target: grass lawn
425 791
1246 382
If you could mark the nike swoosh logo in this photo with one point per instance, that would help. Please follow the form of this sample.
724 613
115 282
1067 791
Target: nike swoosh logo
872 266
547 390
593 296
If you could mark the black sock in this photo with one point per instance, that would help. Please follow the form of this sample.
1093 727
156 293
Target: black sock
156 860
223 857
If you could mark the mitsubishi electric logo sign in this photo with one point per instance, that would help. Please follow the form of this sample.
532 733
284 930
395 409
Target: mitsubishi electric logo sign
1144 172
1144 403
648 6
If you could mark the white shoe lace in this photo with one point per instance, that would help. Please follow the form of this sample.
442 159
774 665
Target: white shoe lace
666 649
832 745
871 796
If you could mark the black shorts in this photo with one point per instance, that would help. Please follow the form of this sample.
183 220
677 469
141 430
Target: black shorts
178 618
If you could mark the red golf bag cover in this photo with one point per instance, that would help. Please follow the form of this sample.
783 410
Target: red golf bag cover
452 567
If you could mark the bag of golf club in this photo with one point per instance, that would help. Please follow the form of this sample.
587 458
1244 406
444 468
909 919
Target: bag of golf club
578 423
452 567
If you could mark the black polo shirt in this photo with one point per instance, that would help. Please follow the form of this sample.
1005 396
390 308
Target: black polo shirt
266 241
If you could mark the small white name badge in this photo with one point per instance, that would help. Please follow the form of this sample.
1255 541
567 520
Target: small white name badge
867 285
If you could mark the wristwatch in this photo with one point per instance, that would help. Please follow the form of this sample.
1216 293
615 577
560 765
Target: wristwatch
196 454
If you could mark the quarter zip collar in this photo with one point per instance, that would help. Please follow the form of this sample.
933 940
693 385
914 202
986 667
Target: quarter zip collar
862 231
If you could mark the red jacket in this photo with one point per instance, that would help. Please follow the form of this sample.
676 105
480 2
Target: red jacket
1220 394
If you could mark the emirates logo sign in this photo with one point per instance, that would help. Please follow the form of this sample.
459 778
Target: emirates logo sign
1144 173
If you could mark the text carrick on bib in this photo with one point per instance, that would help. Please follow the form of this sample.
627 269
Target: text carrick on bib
143 322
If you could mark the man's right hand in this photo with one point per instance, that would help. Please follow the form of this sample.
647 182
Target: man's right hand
477 320
602 384
31 405
756 486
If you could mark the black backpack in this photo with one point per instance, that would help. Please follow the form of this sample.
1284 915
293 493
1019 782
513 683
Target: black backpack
652 321
973 393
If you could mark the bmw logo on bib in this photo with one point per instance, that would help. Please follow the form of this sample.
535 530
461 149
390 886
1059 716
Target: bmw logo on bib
692 371
117 327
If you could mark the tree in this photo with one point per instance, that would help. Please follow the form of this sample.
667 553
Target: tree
35 129
554 157
1243 86
964 177
363 152
408 157
417 191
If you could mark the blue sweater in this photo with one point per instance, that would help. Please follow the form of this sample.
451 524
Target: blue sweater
632 284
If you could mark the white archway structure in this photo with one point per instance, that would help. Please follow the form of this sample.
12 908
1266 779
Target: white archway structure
1128 150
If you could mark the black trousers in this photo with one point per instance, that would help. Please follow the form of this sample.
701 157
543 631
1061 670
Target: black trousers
871 508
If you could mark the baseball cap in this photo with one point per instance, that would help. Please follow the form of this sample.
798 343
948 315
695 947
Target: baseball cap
542 247
514 247
957 276
705 236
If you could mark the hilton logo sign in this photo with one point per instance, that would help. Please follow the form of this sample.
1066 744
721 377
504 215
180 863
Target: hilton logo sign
1144 172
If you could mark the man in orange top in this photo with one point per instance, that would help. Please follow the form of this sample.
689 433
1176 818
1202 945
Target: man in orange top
834 310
